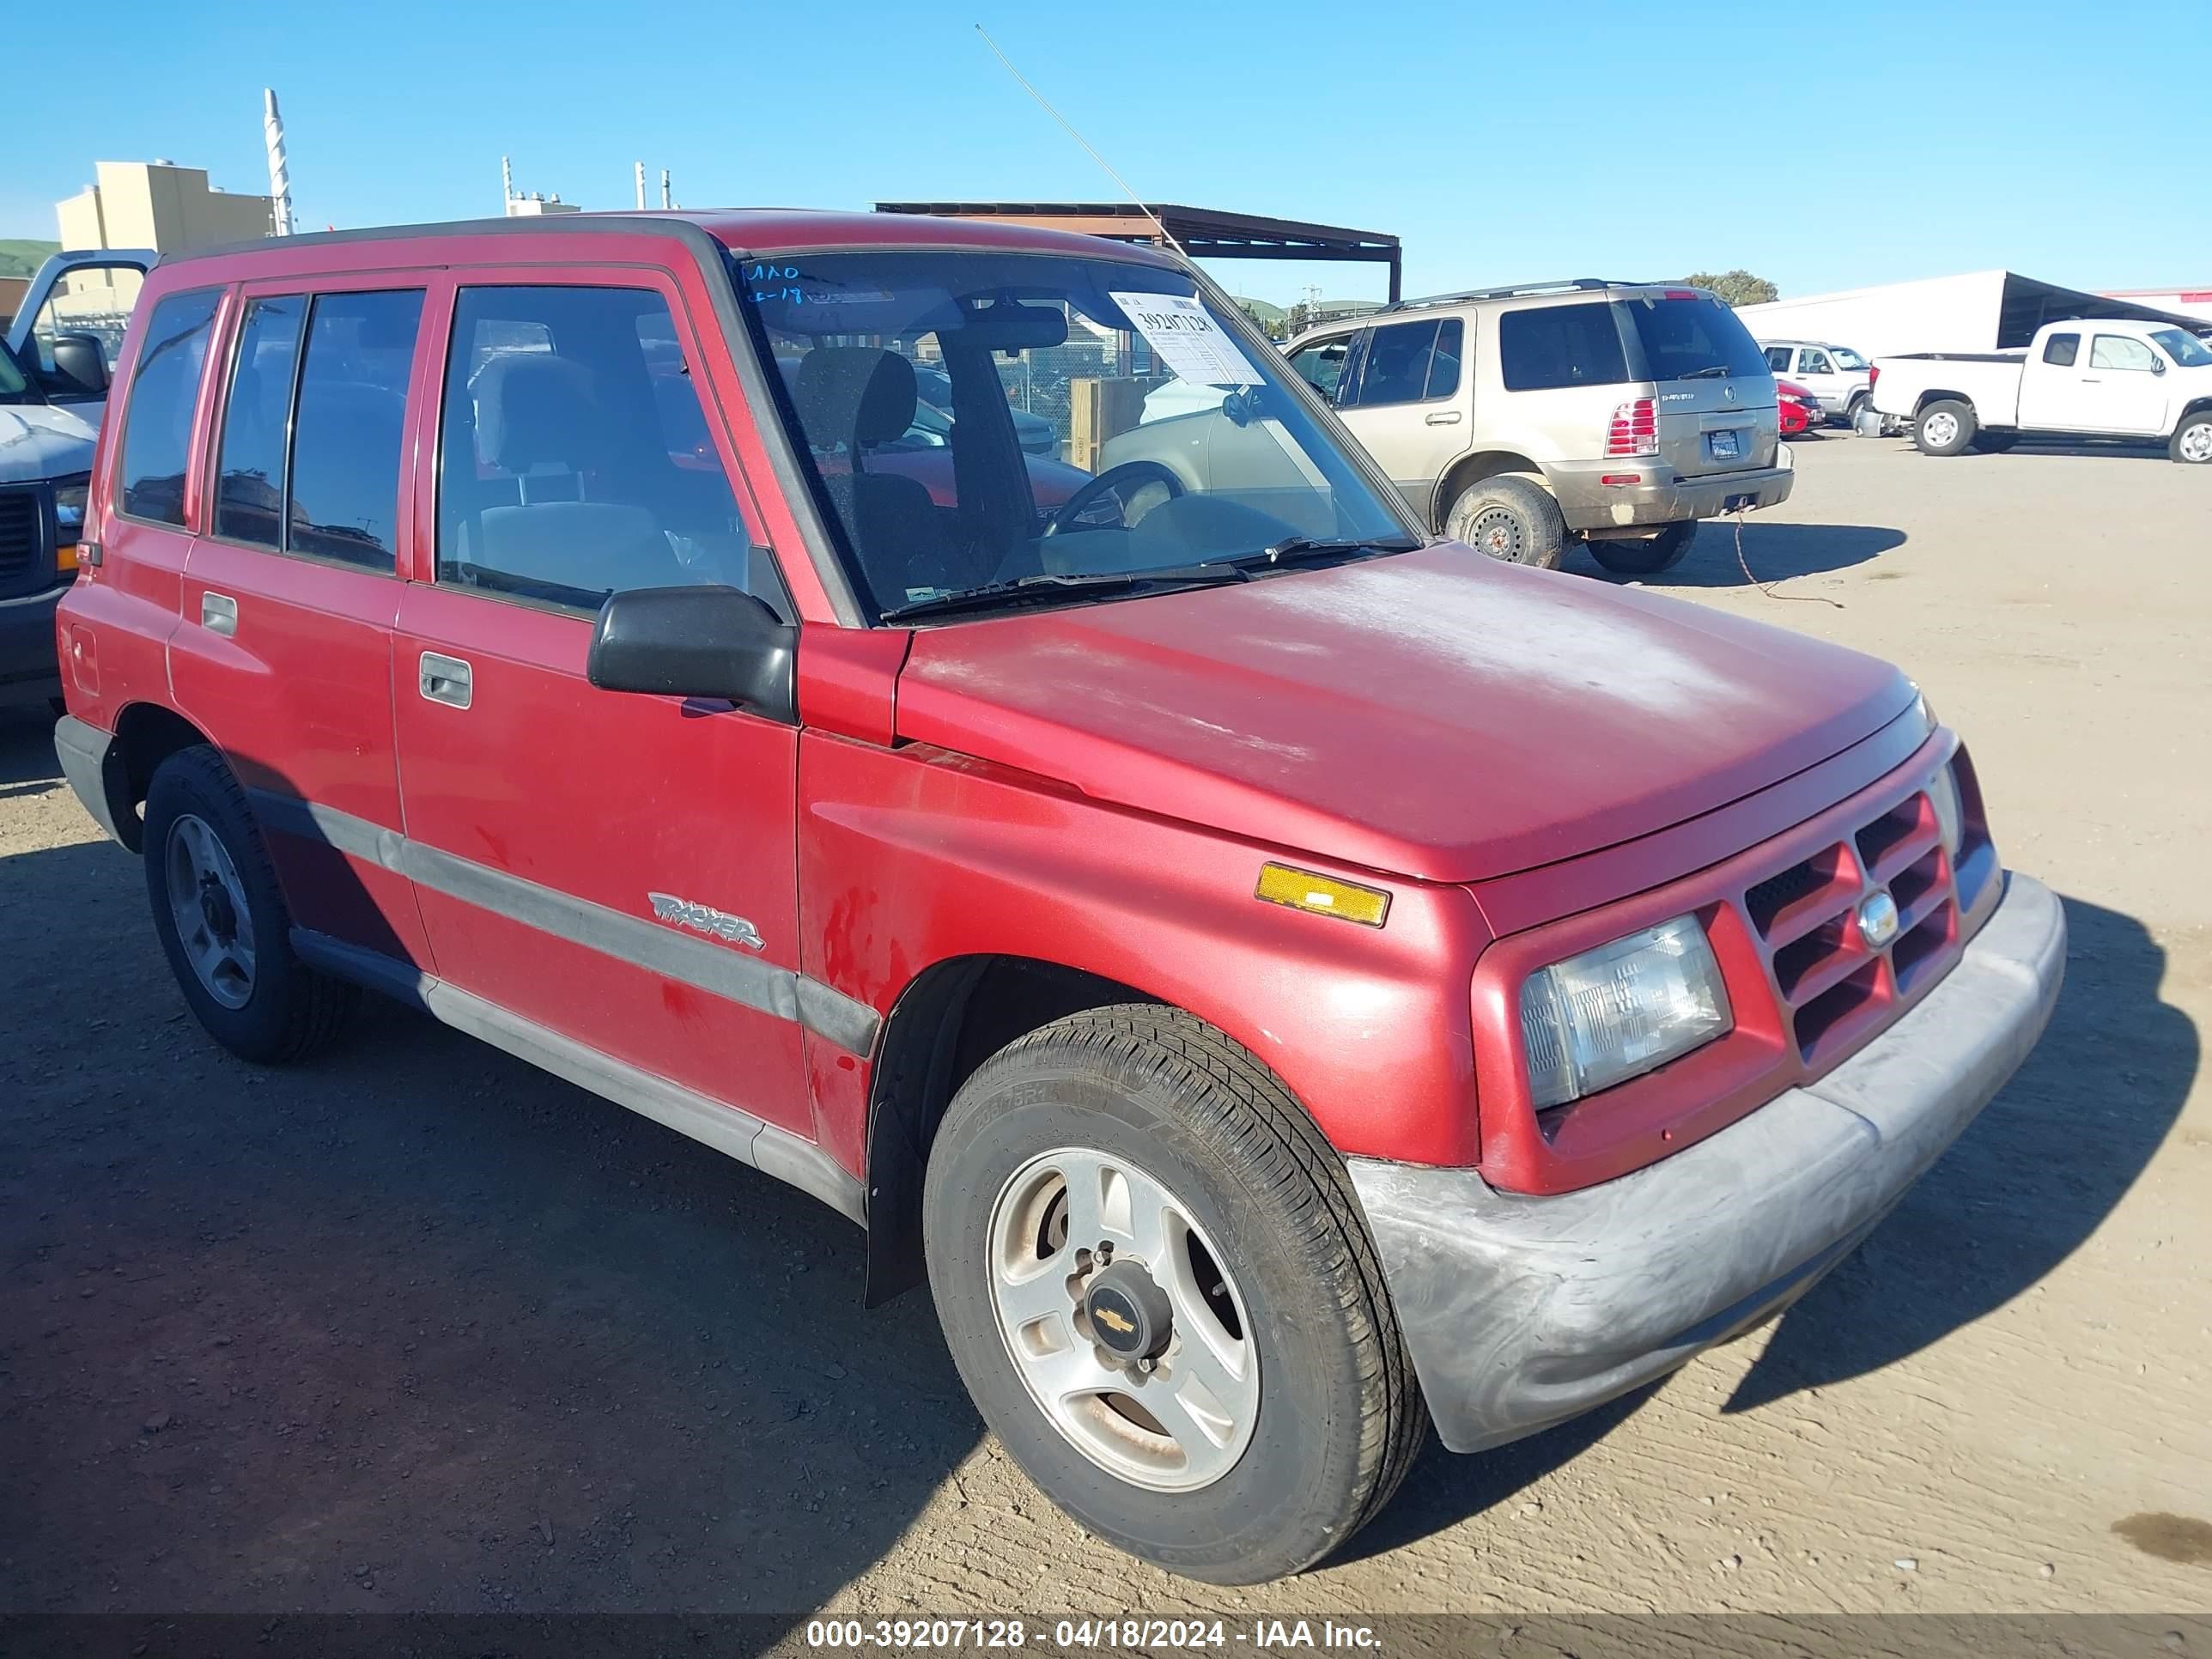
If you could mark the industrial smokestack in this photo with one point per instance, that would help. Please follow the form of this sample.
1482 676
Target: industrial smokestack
666 201
640 184
506 187
280 177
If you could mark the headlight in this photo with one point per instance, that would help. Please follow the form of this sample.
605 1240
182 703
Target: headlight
1620 1010
69 509
1950 818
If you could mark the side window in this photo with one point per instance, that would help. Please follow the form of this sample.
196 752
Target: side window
157 431
2121 351
574 455
342 499
1540 347
249 502
1443 367
1396 368
1778 359
2062 350
1322 363
1816 363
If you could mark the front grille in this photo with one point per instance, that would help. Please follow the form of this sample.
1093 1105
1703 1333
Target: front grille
1833 984
21 518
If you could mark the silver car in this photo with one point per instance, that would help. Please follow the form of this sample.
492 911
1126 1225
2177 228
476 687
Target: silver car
1836 374
1521 420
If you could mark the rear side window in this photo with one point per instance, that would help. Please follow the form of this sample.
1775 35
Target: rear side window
1693 340
1778 359
1543 347
157 432
575 457
2062 350
342 497
249 502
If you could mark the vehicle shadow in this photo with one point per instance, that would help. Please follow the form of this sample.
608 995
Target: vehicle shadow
2023 1188
27 748
1775 552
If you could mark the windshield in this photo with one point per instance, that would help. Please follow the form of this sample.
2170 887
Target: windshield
1846 358
2185 349
1693 340
1047 427
14 388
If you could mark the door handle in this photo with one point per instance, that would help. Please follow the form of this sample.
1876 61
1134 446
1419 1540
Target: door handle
1444 417
218 613
446 679
2093 379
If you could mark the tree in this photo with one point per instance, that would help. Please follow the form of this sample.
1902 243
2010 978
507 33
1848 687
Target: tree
1297 320
1738 287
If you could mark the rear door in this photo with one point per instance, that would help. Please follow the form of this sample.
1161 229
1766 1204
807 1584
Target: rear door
1402 403
1715 391
617 869
2051 392
284 654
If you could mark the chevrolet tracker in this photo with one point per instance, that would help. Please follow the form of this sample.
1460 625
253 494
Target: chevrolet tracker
1283 980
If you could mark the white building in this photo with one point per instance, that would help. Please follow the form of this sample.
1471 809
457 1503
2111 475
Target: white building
1981 311
2184 302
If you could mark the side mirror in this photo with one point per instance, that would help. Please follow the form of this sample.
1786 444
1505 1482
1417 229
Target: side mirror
79 364
707 641
2157 364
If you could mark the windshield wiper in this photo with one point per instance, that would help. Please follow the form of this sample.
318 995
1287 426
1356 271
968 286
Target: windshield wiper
1295 549
1046 586
1708 372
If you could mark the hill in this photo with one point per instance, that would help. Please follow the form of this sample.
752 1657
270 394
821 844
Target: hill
19 258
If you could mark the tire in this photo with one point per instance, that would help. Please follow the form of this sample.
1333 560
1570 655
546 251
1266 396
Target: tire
1512 519
1646 558
2192 440
261 1002
1852 410
1946 427
1150 1095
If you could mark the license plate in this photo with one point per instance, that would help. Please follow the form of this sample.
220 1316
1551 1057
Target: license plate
1726 445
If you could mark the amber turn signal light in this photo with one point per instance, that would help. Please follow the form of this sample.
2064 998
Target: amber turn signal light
1323 896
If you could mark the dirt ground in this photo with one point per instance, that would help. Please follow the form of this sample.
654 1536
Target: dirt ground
418 1328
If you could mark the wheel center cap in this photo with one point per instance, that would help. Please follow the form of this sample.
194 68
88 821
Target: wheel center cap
1128 1313
214 906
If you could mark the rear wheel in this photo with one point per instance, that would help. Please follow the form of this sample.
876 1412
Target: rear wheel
1159 1290
1511 518
1852 410
223 921
1646 558
1945 428
2192 440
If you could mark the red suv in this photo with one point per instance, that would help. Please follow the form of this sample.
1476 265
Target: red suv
1285 980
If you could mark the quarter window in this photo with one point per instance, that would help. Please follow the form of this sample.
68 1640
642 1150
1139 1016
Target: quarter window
157 432
1541 348
2061 349
2121 351
575 457
342 497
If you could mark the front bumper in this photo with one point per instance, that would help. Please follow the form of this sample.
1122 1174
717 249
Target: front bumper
1664 496
29 670
1521 1312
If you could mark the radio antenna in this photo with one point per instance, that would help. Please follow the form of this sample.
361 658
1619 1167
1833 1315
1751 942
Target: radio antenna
1159 224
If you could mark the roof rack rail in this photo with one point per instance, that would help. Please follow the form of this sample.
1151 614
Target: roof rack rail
1512 290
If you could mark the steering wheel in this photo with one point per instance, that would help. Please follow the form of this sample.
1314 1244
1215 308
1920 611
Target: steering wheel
1129 476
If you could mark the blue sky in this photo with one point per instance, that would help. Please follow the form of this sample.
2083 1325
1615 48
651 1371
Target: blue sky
1822 145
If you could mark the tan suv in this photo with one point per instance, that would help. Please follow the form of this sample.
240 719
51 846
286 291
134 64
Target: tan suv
1521 420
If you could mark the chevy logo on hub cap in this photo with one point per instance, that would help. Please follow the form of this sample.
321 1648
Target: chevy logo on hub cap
1878 919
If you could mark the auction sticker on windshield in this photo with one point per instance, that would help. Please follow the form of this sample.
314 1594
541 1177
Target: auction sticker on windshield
1188 339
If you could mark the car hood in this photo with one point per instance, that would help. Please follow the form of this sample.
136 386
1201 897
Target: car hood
1433 714
39 440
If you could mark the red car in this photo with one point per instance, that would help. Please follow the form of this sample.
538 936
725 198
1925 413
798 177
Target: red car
1800 410
1285 981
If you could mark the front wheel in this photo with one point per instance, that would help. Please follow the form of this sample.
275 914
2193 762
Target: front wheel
1945 428
1160 1291
1646 558
1513 518
2192 440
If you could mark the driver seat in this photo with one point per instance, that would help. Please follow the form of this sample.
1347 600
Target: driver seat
857 397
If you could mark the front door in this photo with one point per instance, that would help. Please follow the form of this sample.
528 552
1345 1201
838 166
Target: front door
1403 402
619 869
2122 388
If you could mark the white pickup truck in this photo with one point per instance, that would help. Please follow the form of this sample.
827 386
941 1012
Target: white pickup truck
2087 379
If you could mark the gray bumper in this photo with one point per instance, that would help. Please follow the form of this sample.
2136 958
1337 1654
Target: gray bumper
94 772
1664 497
1522 1312
29 671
